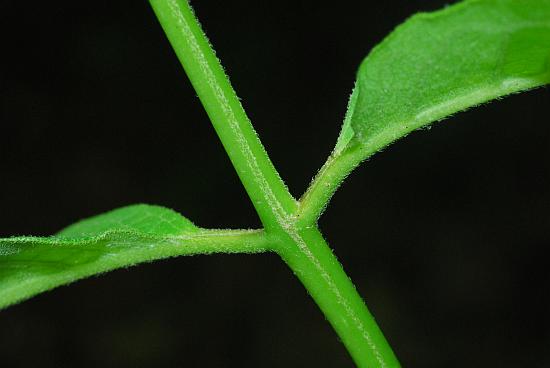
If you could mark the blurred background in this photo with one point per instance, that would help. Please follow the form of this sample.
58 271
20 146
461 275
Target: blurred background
444 233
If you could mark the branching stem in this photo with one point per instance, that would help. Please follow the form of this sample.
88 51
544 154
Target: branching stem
291 226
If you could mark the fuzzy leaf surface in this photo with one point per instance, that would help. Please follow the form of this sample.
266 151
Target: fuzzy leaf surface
436 64
120 238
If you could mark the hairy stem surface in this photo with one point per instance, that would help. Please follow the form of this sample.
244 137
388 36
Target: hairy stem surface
269 195
311 259
324 185
299 243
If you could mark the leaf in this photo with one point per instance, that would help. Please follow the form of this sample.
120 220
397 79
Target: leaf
140 218
436 64
123 237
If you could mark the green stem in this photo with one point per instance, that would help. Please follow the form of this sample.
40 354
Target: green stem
308 255
297 239
210 241
269 195
314 201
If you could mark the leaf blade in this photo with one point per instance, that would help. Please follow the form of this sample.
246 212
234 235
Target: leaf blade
120 238
142 218
430 67
437 64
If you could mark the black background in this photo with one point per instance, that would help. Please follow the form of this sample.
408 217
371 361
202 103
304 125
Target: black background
444 233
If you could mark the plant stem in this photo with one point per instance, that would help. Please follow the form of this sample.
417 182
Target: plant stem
269 195
300 244
314 201
210 241
311 259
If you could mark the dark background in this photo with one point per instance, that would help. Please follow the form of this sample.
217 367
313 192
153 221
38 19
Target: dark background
445 233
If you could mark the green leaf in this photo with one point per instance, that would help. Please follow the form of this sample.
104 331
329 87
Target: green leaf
120 238
139 218
436 64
